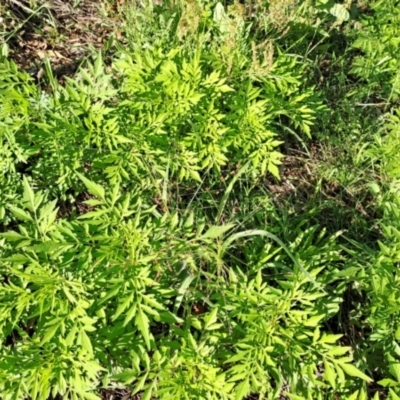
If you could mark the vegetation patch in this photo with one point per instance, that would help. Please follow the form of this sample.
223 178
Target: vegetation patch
199 200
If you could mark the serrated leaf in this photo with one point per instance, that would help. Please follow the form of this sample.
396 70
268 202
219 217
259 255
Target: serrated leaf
113 291
316 335
93 188
216 231
142 322
140 384
274 170
17 258
242 390
126 301
130 314
211 318
50 332
329 374
20 214
122 139
339 350
388 382
28 193
12 236
69 295
86 342
362 395
71 336
46 247
93 202
126 377
313 321
147 394
329 338
93 214
47 210
351 370
196 323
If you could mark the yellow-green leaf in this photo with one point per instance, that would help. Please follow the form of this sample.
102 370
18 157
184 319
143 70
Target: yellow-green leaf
94 188
329 374
351 370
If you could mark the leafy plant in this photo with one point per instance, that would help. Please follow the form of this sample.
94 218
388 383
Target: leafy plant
169 215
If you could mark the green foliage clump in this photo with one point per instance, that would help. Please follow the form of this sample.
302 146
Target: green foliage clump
378 39
150 233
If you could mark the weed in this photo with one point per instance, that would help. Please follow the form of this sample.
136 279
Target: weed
208 209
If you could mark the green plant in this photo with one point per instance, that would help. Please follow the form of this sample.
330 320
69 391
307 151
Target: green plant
379 40
78 297
154 235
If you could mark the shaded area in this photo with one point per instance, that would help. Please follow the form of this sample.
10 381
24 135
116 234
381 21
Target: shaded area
65 32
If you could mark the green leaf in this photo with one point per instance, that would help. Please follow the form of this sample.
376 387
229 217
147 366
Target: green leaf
123 305
316 335
353 396
260 232
388 382
329 338
90 396
351 370
339 350
393 395
20 214
28 193
17 258
126 377
86 342
98 65
130 314
339 11
216 231
229 189
49 211
211 318
294 396
50 332
225 89
374 188
329 374
273 169
93 202
242 390
196 323
394 367
113 292
12 236
93 188
140 384
147 394
313 321
174 221
142 322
